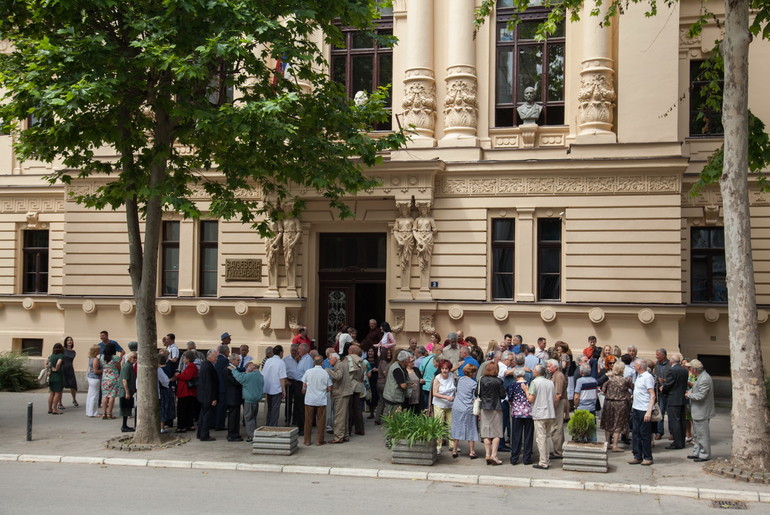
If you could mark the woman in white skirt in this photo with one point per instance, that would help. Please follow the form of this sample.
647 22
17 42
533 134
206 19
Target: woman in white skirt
94 382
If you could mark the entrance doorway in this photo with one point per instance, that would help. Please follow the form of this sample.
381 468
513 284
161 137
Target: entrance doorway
351 279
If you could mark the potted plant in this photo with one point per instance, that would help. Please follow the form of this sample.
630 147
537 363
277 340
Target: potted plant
412 436
580 454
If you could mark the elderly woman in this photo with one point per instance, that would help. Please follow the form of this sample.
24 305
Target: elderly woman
443 391
491 392
126 390
522 428
186 392
412 402
463 419
94 382
55 380
617 405
386 358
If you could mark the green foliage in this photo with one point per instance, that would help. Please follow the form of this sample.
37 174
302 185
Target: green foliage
155 81
14 375
581 425
413 427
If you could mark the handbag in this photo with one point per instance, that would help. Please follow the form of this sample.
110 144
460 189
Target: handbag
477 401
656 416
42 377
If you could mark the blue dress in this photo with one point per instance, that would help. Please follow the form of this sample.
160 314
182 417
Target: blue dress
463 420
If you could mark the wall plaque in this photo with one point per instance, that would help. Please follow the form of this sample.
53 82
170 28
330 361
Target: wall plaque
243 270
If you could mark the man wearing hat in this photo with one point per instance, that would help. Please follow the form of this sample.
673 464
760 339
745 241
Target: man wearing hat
226 339
702 409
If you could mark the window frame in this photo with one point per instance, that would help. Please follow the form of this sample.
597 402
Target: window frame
502 244
166 245
40 270
535 13
542 247
383 25
204 245
710 115
709 253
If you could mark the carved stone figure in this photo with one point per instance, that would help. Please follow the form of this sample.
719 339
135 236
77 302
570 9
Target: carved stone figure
424 231
597 101
272 250
420 106
529 111
403 234
292 231
460 104
361 97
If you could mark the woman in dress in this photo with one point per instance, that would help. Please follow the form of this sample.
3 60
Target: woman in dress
110 365
186 392
617 406
463 419
522 427
412 402
382 375
94 382
68 369
55 380
372 374
491 392
443 390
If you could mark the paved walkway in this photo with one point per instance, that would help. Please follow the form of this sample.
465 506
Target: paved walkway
74 438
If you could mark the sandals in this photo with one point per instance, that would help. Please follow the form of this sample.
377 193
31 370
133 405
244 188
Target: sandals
455 454
472 456
75 403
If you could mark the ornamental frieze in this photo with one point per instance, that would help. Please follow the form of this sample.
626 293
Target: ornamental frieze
27 205
568 185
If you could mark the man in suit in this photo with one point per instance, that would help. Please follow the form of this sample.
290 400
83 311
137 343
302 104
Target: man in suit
673 390
223 361
702 409
233 400
342 389
208 395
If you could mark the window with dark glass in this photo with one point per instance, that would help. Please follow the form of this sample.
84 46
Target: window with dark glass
209 250
522 61
704 120
364 64
170 259
549 258
709 271
503 249
35 257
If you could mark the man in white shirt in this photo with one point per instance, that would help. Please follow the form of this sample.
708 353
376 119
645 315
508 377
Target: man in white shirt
292 383
540 395
541 353
245 358
173 350
275 384
641 413
304 363
316 383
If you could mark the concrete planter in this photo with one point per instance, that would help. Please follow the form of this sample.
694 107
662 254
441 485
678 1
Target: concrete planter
585 457
421 453
283 441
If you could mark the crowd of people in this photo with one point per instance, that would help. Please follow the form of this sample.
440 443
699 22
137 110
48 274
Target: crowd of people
513 397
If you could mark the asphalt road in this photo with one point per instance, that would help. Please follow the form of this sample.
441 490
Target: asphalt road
84 489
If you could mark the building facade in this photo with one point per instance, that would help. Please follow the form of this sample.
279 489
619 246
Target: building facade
545 192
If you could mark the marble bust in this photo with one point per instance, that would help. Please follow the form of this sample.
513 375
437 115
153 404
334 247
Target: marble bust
529 111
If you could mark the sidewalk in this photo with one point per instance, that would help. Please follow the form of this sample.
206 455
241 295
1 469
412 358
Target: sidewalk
74 435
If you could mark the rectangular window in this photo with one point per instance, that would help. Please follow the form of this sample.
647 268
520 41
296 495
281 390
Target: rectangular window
523 62
704 120
363 64
549 258
170 259
503 251
35 261
708 268
209 249
32 346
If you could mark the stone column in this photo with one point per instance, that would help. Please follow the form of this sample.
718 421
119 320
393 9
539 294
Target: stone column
419 82
460 105
596 98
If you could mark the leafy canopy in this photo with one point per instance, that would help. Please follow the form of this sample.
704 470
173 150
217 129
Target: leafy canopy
187 89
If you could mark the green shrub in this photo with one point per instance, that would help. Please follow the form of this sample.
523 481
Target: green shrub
14 376
413 427
581 425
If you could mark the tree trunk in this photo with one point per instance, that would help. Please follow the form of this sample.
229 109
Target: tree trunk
751 437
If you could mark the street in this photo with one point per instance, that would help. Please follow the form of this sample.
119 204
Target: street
85 489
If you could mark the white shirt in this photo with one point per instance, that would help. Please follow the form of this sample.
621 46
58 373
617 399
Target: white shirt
245 360
274 371
542 389
502 368
291 368
173 351
642 387
316 381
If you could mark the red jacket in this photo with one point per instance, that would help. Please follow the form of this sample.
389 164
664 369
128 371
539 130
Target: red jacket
189 372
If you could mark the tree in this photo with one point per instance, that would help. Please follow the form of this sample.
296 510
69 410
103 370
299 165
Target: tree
187 94
751 434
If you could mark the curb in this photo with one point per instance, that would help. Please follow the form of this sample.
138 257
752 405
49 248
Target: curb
500 481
